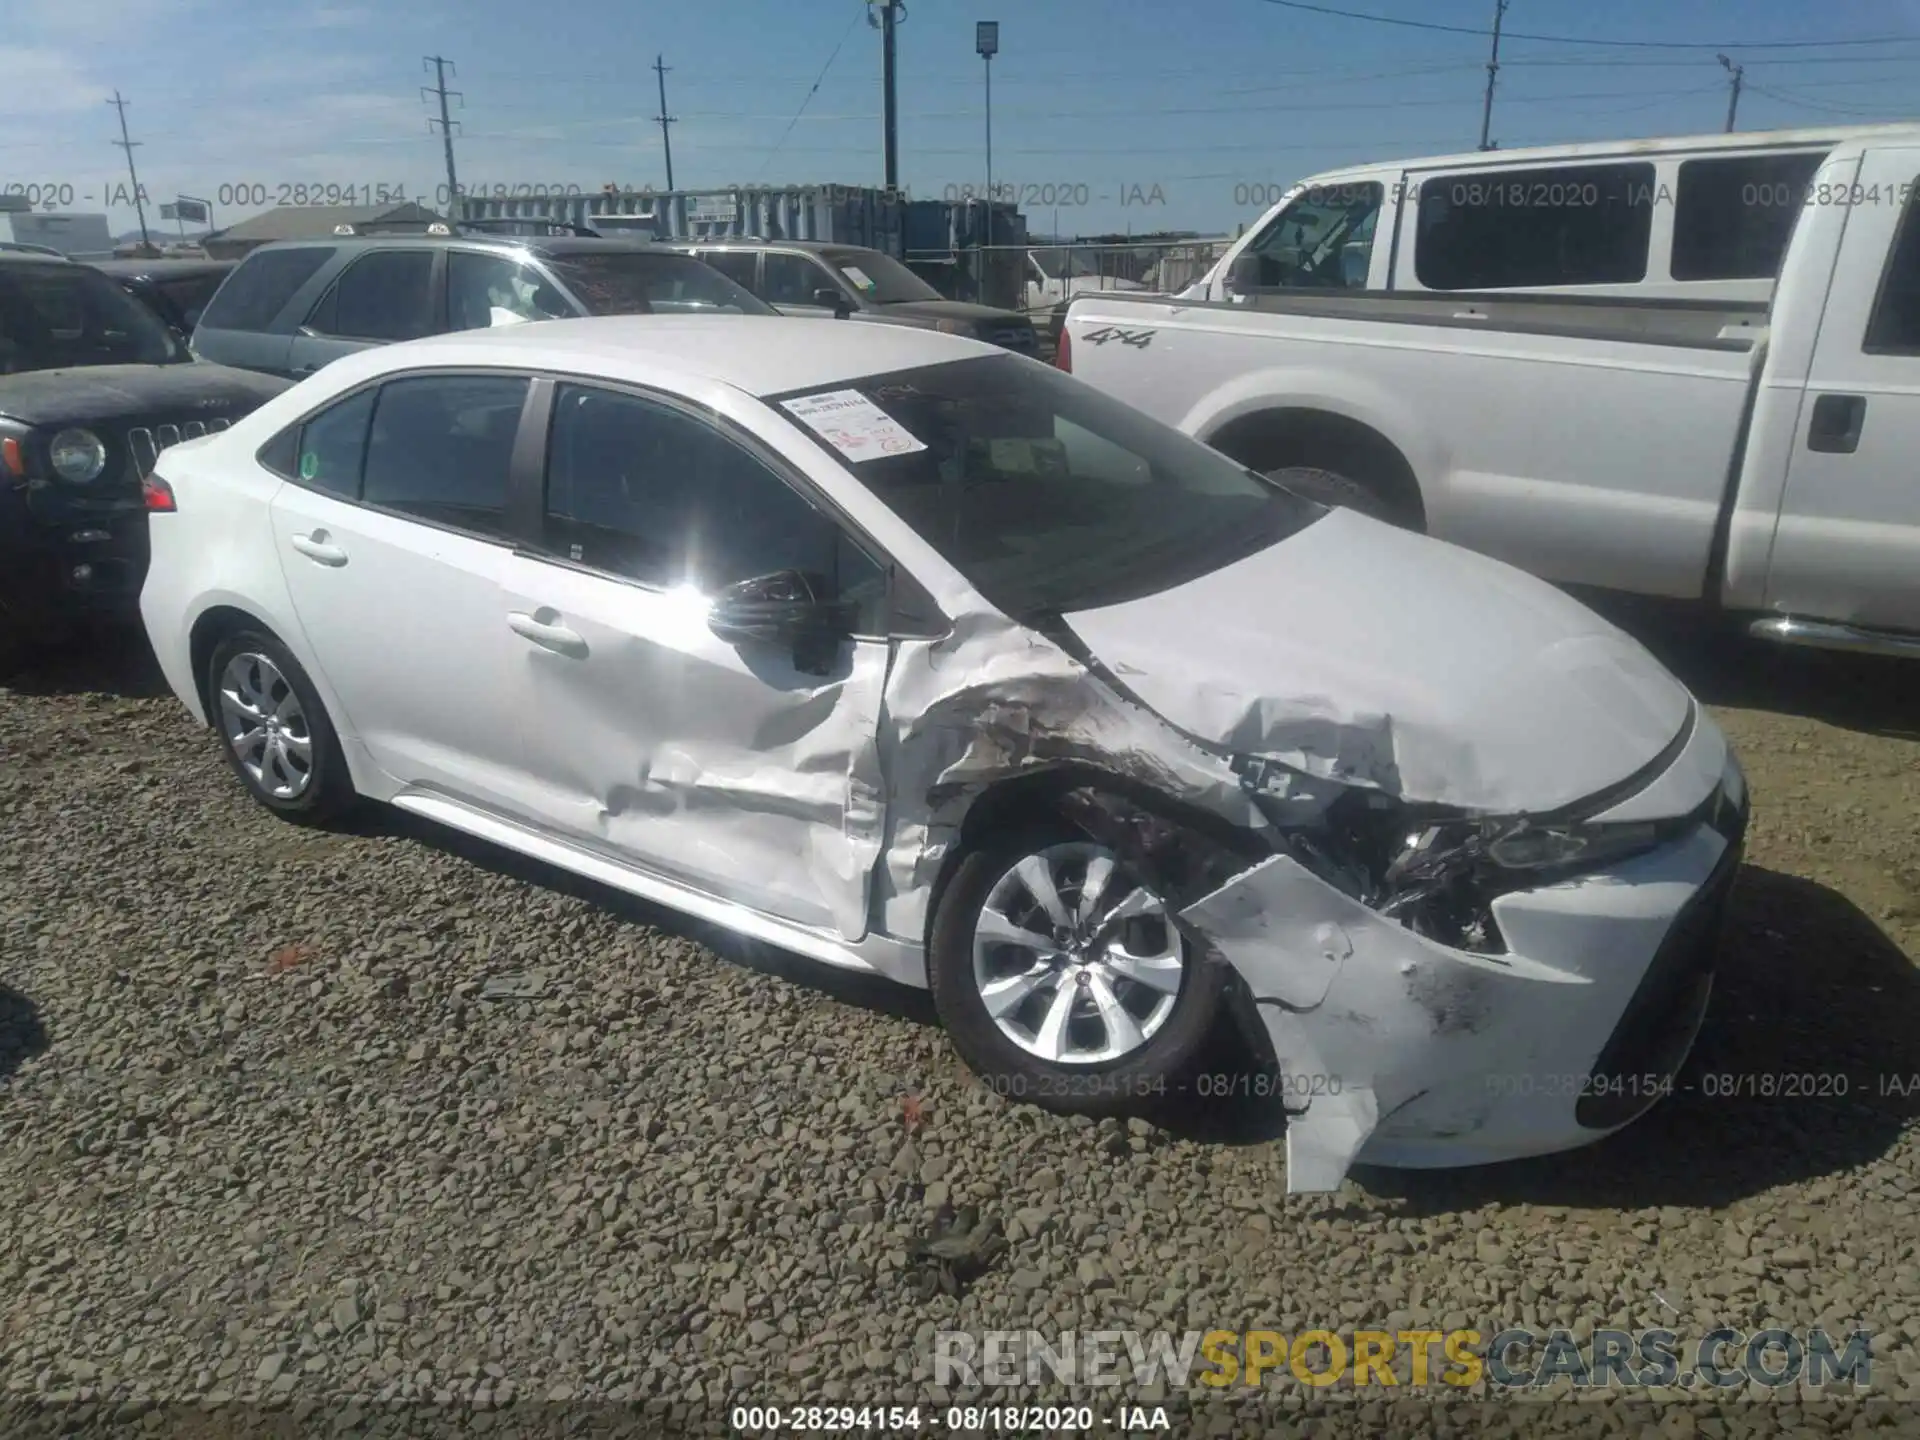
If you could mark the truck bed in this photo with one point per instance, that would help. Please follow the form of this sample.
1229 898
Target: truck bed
1713 324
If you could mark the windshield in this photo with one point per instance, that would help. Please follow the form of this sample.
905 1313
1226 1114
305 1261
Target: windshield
54 316
1048 496
664 284
880 278
1063 265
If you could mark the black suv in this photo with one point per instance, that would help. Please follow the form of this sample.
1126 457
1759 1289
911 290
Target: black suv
293 306
799 277
93 386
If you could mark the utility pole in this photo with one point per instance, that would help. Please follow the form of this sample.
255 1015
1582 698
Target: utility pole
439 88
127 144
660 68
1733 100
891 12
1493 70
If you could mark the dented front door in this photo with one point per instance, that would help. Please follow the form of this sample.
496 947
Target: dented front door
732 766
652 739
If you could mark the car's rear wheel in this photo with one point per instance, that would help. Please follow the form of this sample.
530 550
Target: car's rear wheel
1062 978
276 734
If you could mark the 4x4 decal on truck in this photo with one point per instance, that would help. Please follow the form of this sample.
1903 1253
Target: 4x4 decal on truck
1139 339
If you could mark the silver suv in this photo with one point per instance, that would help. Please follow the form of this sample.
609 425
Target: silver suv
291 307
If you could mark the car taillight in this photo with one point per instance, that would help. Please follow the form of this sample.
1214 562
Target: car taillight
11 458
1063 354
158 494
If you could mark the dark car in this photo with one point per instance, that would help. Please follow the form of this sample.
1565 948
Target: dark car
799 277
93 386
292 306
175 290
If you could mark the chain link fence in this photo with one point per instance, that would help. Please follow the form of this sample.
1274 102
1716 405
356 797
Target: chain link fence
1039 279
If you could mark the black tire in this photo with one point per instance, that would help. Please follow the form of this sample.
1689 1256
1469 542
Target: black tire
1113 1087
328 789
1330 487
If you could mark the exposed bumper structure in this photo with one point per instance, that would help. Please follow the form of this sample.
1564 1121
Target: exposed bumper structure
1409 1053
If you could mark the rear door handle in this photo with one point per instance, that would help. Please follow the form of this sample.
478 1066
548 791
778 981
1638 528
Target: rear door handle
317 547
1837 422
557 638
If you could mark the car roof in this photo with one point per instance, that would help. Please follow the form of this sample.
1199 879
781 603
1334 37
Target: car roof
536 244
160 269
761 355
748 242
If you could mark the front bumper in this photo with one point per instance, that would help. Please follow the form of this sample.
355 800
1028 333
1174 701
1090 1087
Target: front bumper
1399 1051
66 558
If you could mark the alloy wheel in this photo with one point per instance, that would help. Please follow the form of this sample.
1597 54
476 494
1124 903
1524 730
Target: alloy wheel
265 726
1075 963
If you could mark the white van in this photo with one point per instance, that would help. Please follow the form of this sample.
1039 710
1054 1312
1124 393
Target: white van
1701 217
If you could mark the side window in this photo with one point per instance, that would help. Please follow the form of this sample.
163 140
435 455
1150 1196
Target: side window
441 446
792 279
487 290
1323 240
1732 217
258 288
189 297
1573 225
381 296
651 493
1894 328
332 446
737 265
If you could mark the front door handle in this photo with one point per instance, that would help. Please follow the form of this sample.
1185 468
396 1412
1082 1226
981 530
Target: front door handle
317 547
1837 422
557 638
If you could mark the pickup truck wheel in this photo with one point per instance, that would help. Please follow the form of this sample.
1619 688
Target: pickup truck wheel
1330 487
1061 977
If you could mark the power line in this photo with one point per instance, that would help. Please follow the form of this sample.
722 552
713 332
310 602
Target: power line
814 90
439 88
1584 40
126 143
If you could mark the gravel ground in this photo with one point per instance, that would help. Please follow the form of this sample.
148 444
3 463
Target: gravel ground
271 1136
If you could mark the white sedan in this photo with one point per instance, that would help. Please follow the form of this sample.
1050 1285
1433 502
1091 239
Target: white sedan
916 656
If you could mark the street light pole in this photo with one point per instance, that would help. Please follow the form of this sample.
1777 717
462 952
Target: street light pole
1733 100
986 43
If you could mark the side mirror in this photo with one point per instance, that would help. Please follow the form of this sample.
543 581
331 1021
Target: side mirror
1243 276
830 299
783 609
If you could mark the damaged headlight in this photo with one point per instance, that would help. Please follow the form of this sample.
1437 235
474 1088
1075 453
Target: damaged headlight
1552 847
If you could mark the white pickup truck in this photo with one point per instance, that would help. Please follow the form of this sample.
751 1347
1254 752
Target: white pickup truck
1765 458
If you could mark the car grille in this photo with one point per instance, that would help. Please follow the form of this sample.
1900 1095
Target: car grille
145 442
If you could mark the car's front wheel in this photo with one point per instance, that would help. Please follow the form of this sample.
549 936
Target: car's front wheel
1062 978
275 732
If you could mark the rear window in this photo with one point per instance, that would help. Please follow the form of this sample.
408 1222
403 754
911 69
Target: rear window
1732 217
1569 225
634 284
259 287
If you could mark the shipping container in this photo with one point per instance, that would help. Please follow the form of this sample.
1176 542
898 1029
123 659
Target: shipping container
843 214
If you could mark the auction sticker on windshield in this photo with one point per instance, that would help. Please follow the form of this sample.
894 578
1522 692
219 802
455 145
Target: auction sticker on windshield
852 424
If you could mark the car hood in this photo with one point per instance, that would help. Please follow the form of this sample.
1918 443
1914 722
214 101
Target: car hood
98 394
931 311
1358 652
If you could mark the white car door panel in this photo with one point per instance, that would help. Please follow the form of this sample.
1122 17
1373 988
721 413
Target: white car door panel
401 612
728 767
1847 547
724 768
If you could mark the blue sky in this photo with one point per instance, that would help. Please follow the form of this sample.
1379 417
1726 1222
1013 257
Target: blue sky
1185 109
